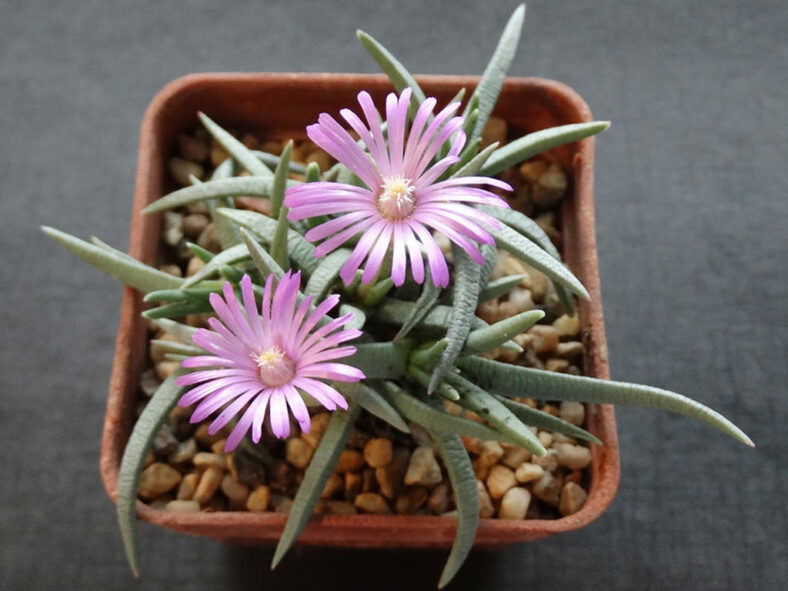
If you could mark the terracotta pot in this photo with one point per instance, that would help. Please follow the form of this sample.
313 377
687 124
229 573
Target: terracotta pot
280 105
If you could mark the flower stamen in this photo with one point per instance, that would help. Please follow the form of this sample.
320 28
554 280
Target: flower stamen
396 200
275 367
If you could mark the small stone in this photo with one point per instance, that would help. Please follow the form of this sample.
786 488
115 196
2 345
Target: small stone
480 470
532 170
173 270
521 299
217 447
573 496
357 439
204 438
353 483
184 451
439 499
149 382
490 453
550 188
368 481
205 460
548 489
157 479
150 458
537 283
575 476
390 477
561 438
569 349
165 369
378 452
499 480
545 438
272 147
209 238
299 452
514 455
546 338
514 504
258 499
280 476
164 443
218 154
282 504
209 483
235 491
333 485
350 460
182 170
549 462
573 412
194 224
195 264
486 507
372 503
423 468
247 469
573 456
557 365
551 410
323 160
188 486
181 506
411 501
528 472
340 508
192 148
567 326
317 429
494 131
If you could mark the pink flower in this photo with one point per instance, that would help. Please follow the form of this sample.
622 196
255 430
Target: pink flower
266 361
402 203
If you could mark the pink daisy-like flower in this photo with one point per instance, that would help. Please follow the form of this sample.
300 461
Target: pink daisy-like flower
263 360
402 203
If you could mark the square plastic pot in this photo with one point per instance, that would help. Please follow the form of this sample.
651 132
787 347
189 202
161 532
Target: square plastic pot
281 105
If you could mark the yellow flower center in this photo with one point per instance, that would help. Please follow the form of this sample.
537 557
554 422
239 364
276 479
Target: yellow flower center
276 368
396 200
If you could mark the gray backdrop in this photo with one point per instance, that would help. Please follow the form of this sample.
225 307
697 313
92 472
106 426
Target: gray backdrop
691 213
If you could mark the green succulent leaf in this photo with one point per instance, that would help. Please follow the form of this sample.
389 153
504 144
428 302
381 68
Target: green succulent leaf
528 252
237 150
178 310
423 378
399 76
182 332
242 185
543 420
279 243
146 427
176 348
466 156
359 317
474 165
393 312
265 263
423 305
381 360
463 483
312 174
280 180
326 273
427 412
495 413
466 298
494 75
490 254
301 251
371 401
499 287
495 335
317 473
377 292
233 254
511 380
428 355
539 141
225 231
115 263
272 161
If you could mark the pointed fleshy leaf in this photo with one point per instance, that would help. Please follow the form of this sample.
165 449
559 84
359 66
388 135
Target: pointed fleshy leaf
393 312
495 413
486 339
377 292
177 348
470 152
301 251
494 75
233 254
427 356
427 412
499 287
371 401
490 254
543 420
537 142
146 427
182 332
466 494
226 233
514 381
265 263
381 360
315 477
326 273
423 378
475 164
280 179
399 76
528 252
232 187
115 263
178 310
272 161
279 243
359 317
466 299
236 149
423 305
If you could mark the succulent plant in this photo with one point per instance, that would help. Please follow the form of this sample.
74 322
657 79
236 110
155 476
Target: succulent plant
272 349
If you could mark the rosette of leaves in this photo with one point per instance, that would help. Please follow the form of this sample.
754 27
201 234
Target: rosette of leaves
435 351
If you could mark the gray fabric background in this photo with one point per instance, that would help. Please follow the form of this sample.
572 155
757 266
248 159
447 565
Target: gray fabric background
691 212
